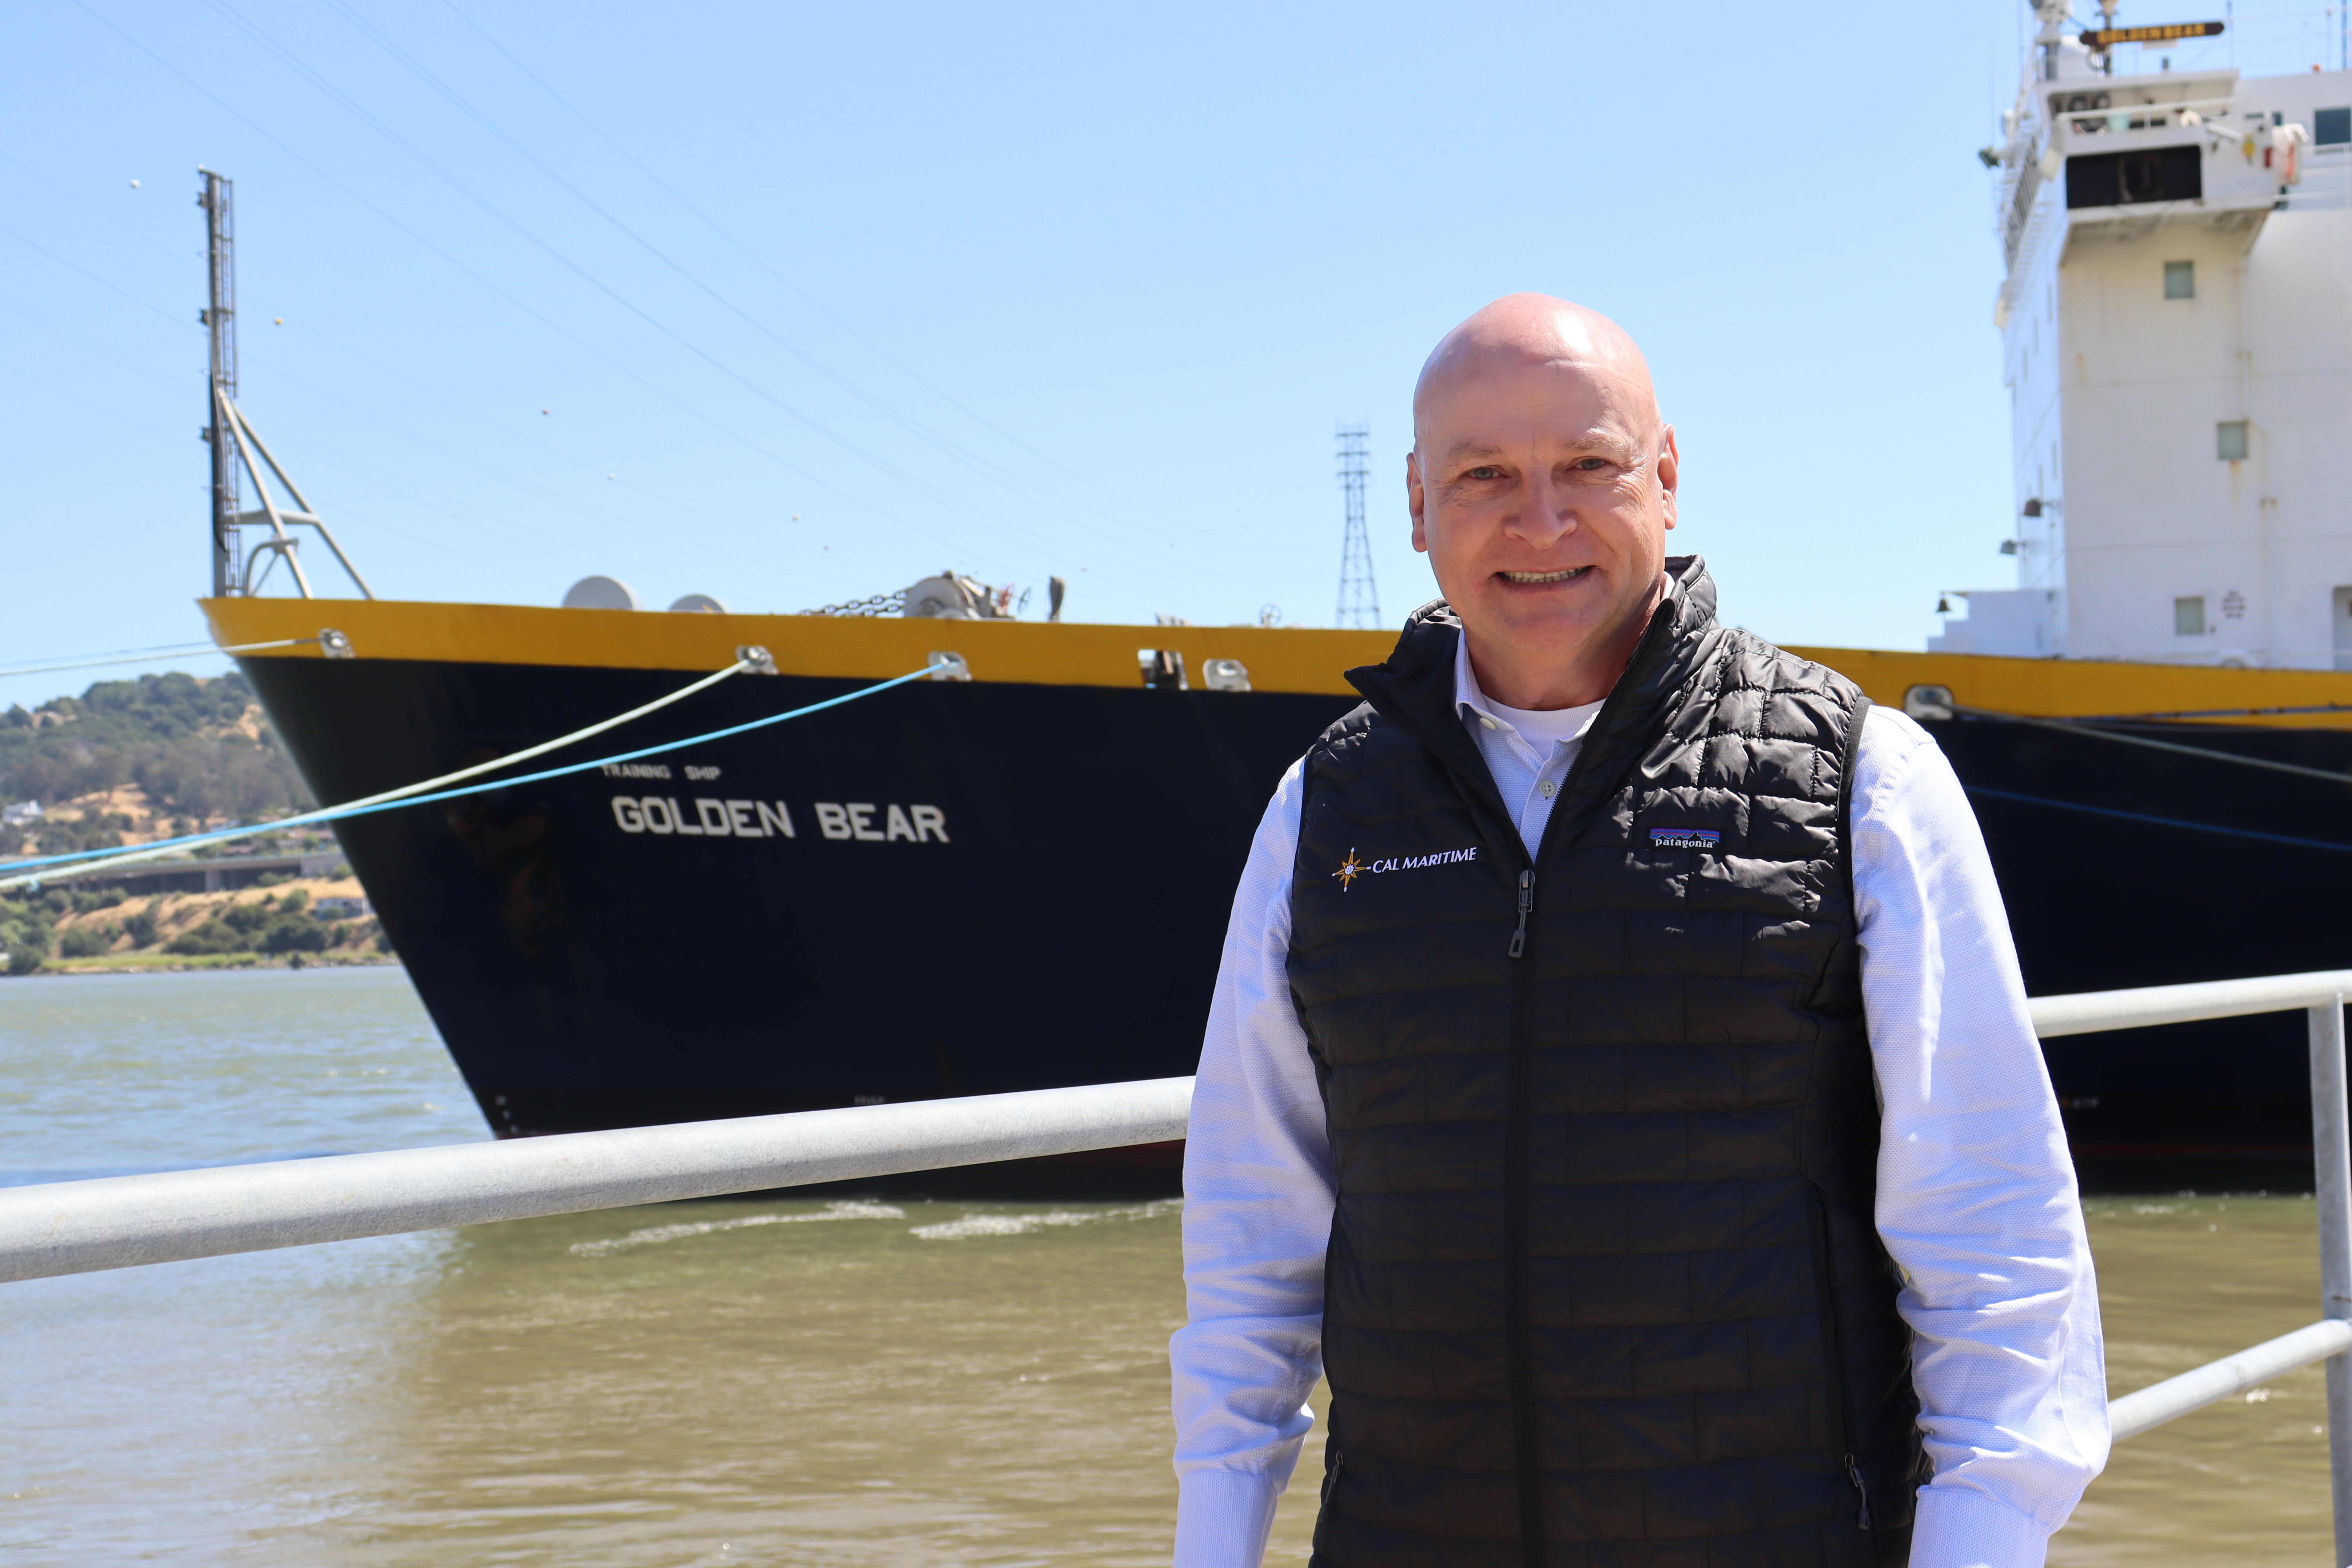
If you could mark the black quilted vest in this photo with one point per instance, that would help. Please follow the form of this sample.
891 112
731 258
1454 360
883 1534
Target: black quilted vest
1603 1286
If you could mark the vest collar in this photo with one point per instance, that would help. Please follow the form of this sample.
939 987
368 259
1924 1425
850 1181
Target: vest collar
1413 690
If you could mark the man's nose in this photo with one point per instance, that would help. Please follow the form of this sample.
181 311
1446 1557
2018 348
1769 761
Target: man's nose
1548 515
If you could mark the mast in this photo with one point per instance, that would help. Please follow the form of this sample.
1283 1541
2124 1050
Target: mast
235 443
2052 14
219 201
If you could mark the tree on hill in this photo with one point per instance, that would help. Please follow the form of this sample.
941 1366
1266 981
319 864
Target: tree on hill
199 747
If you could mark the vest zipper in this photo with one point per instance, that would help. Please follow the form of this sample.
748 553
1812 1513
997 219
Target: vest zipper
1518 1160
1518 1140
1833 1356
1518 1135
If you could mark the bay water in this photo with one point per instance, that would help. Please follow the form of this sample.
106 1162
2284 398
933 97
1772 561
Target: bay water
826 1382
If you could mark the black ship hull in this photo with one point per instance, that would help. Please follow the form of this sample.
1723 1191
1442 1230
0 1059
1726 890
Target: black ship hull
991 887
2123 867
1033 890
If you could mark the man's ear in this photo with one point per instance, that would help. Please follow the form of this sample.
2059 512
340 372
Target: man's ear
1413 499
1670 473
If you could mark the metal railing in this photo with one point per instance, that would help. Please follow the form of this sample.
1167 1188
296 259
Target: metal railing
2322 996
117 1222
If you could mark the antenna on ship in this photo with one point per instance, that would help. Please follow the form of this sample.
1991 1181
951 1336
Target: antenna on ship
2052 14
1360 601
235 444
219 202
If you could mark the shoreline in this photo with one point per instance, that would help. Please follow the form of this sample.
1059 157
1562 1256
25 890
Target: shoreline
242 928
180 964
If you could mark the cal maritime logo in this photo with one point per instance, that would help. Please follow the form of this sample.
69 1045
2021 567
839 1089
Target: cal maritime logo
1350 868
1684 838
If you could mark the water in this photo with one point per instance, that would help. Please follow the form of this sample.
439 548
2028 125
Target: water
2183 1281
822 1383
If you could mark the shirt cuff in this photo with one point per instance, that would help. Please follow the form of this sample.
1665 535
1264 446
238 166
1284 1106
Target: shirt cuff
1223 1517
1958 1528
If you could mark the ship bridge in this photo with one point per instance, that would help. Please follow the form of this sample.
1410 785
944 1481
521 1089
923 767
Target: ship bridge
2177 342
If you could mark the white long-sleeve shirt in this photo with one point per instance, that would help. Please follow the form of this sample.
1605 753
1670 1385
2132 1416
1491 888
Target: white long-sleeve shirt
1977 1202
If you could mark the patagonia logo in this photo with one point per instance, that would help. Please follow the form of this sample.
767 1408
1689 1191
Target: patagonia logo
1684 838
1350 868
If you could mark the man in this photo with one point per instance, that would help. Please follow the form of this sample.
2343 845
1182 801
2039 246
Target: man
1619 1079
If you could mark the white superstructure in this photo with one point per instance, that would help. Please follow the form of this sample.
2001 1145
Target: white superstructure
2177 337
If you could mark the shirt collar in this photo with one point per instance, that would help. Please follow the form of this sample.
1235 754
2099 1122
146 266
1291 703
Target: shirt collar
1468 701
1473 705
1477 710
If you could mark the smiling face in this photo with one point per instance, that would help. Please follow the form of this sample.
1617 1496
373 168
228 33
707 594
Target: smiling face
1542 485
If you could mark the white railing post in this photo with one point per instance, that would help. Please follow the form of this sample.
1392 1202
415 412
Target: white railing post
2331 1147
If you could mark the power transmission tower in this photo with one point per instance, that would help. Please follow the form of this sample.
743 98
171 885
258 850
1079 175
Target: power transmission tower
1360 601
219 202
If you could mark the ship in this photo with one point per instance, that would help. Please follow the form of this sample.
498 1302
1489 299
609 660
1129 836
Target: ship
1015 872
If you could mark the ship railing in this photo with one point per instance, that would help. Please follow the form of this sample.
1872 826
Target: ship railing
117 1222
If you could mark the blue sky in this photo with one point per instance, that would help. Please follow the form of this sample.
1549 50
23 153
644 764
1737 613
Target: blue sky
789 304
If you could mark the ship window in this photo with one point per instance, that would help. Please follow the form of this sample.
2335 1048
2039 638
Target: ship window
2332 127
2188 616
2230 440
2117 179
2180 281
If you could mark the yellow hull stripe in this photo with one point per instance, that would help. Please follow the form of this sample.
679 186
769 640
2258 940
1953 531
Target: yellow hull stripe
1298 660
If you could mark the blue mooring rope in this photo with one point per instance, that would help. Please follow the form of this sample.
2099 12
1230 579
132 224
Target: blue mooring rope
337 813
2156 821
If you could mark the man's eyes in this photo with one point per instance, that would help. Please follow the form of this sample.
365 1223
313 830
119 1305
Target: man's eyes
1487 473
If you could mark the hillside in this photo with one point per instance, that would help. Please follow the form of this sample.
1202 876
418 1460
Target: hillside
283 921
130 760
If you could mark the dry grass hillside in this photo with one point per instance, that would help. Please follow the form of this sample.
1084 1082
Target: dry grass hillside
126 810
129 759
278 926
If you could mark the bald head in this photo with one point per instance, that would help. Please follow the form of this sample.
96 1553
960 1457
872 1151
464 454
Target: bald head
1533 331
1542 485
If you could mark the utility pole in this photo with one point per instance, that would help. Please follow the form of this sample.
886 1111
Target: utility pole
219 201
1360 601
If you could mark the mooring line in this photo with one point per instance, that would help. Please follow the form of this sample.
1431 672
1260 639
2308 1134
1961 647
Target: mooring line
2211 713
164 846
2156 821
413 795
2084 727
153 655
